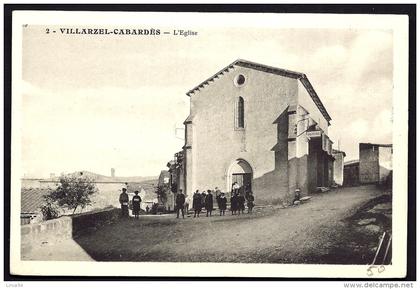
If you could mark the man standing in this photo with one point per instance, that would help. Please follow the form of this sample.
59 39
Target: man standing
136 204
197 204
124 203
180 201
209 203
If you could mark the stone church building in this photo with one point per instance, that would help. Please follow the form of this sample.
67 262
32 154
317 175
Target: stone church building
263 127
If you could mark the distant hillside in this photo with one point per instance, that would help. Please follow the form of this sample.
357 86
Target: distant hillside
102 178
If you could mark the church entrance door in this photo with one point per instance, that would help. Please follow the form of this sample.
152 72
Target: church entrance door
241 172
243 180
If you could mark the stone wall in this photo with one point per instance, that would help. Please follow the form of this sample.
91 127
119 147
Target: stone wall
385 163
52 230
338 168
369 164
66 227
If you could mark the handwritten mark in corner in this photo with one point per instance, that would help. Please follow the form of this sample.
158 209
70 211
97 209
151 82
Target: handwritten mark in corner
379 269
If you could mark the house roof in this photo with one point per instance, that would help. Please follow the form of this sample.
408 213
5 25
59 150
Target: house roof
269 69
32 199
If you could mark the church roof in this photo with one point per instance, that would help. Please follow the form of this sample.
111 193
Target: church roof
269 69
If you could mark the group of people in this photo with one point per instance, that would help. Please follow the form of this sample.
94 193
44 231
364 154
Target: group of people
200 200
205 200
124 201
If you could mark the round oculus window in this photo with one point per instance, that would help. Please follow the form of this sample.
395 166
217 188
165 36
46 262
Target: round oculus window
239 80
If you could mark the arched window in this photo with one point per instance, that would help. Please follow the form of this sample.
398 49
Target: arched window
240 122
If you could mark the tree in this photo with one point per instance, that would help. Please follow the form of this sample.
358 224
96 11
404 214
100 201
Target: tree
73 192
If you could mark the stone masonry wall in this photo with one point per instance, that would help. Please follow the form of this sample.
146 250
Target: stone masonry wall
369 164
33 235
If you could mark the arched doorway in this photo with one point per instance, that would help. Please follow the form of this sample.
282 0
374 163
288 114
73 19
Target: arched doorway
240 171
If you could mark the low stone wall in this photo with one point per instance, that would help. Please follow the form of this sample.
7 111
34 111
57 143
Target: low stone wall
92 220
66 227
39 233
60 228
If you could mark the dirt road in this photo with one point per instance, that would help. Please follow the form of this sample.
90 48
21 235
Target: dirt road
309 233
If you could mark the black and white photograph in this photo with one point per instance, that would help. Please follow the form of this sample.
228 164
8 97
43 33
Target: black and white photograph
209 144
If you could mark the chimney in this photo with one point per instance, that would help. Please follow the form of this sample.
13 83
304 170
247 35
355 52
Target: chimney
52 175
113 172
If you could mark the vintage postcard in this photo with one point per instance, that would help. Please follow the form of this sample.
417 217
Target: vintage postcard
209 144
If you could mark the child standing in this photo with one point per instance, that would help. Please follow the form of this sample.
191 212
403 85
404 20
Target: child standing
136 204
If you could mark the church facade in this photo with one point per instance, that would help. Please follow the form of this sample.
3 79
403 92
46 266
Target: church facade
260 126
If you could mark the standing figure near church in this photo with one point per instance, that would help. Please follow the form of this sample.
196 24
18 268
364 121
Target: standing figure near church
234 203
235 188
203 199
222 204
197 204
218 201
241 204
180 203
217 194
136 204
124 203
250 203
209 203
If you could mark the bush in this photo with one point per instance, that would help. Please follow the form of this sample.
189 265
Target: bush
49 210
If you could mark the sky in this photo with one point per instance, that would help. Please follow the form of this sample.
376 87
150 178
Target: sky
100 102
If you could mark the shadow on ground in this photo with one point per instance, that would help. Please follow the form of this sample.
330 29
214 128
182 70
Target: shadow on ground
356 239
